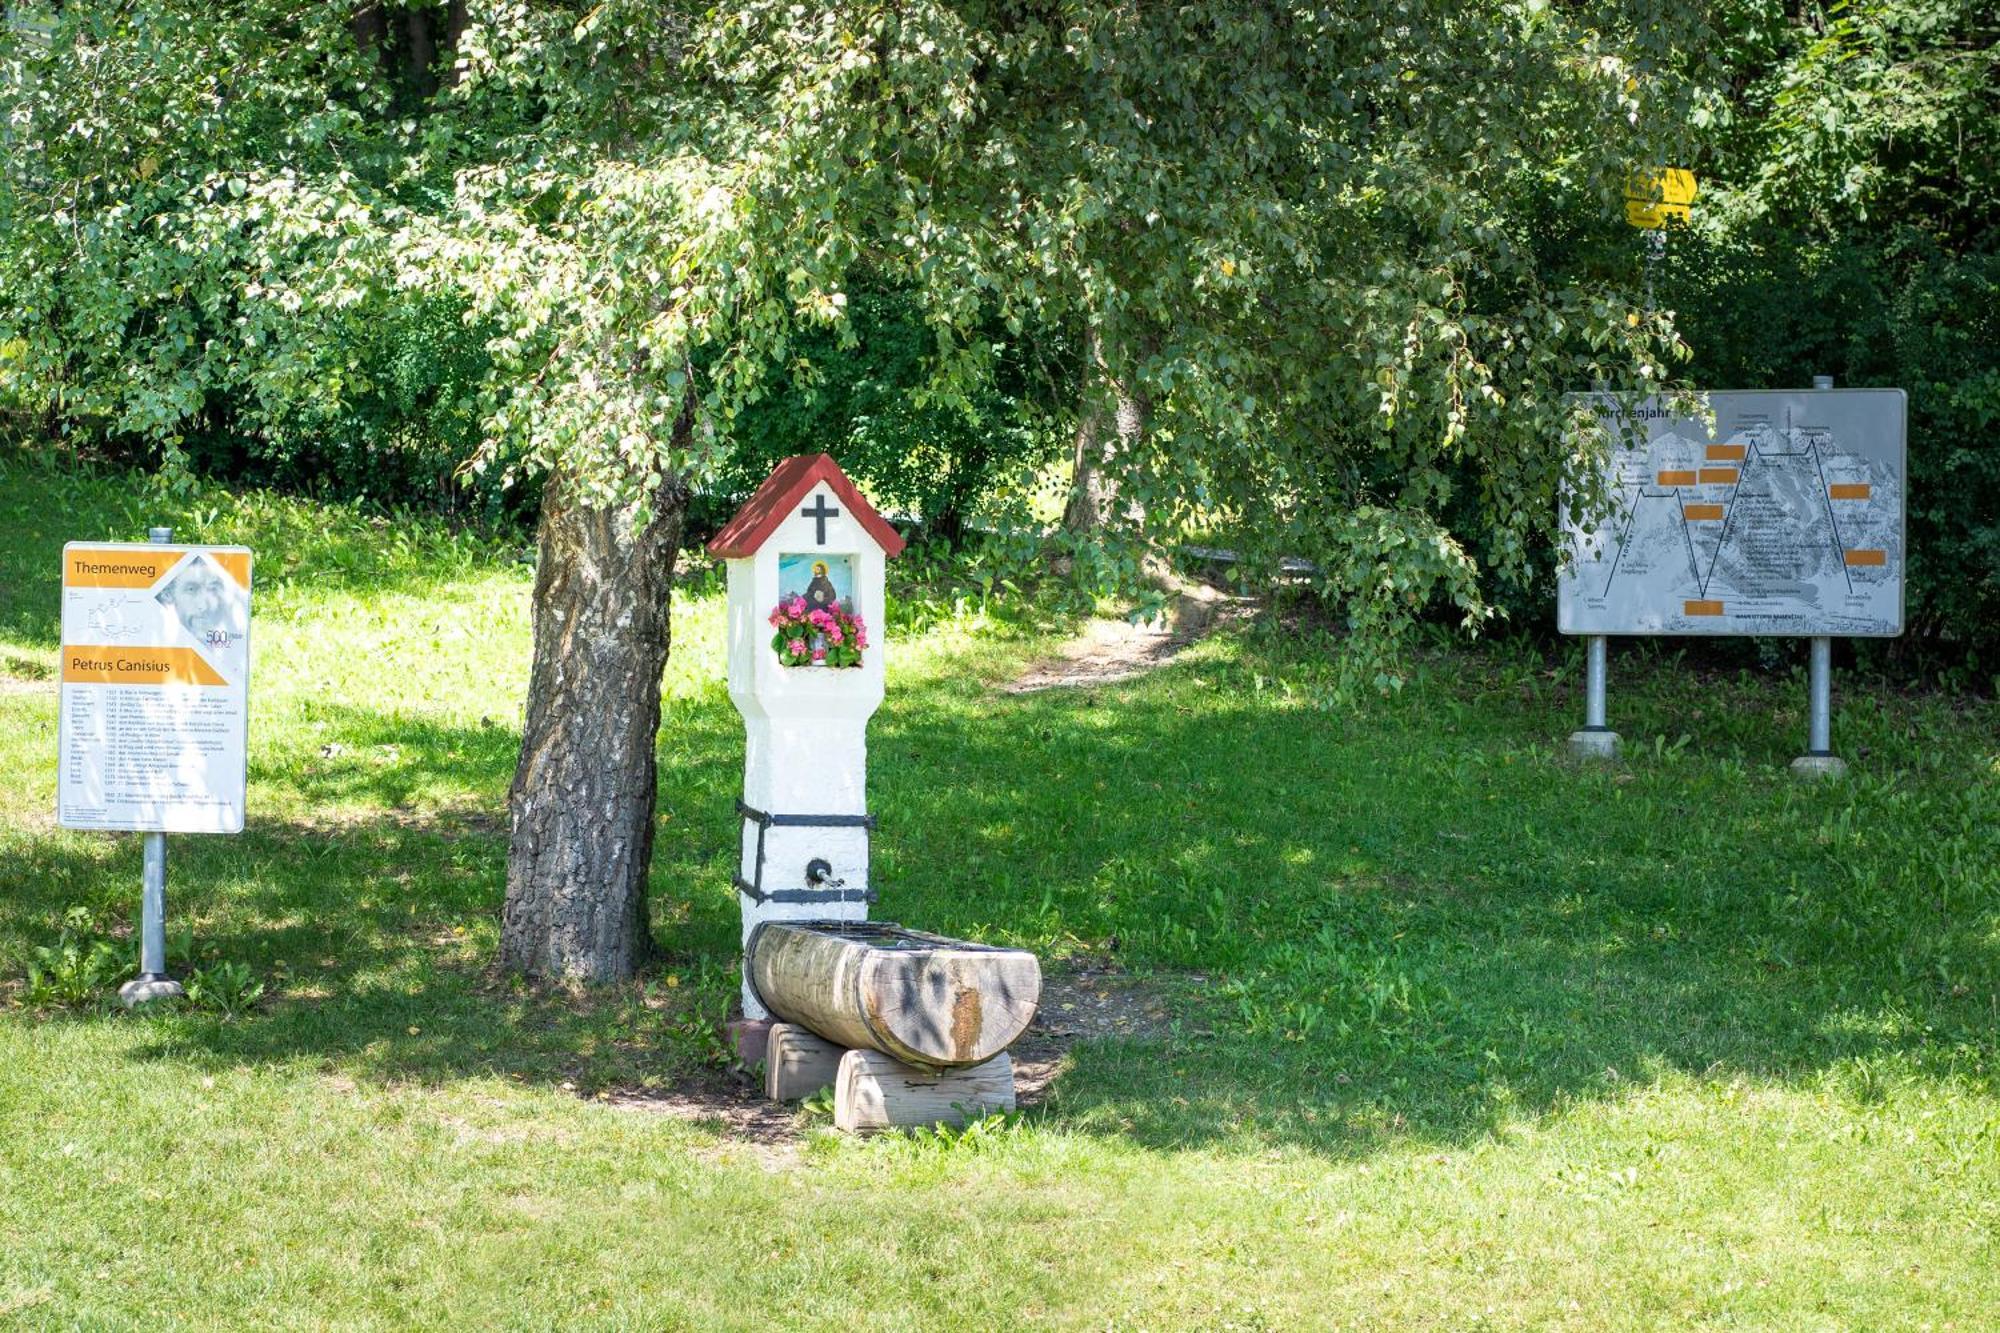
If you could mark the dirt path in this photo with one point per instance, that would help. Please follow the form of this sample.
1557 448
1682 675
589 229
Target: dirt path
1109 651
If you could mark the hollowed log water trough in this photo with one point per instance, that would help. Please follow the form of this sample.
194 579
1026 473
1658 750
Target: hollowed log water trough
925 1000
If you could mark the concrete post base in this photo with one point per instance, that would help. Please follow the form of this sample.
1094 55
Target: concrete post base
1593 743
1819 766
141 989
751 1037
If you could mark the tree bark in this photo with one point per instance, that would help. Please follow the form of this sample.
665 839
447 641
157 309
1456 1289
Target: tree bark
1088 497
581 806
458 17
370 27
1093 495
419 52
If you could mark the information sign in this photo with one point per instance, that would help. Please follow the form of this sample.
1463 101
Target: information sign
1785 516
154 710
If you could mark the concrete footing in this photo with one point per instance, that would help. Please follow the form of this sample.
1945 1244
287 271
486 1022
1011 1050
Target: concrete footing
799 1063
141 989
1593 743
1818 766
872 1092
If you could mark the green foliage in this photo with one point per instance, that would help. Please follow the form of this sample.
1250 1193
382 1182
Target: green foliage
985 1130
1877 307
699 1000
864 396
79 968
1845 228
226 988
384 409
619 241
1012 579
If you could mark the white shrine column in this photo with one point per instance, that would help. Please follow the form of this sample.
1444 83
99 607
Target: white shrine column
804 840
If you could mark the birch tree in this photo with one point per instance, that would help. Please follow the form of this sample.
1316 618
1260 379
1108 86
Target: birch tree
1271 222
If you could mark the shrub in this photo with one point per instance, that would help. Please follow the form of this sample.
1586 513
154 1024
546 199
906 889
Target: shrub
1770 307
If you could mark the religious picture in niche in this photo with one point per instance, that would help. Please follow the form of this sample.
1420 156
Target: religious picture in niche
815 623
825 581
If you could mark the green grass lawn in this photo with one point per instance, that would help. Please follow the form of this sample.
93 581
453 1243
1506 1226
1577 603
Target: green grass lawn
1460 1033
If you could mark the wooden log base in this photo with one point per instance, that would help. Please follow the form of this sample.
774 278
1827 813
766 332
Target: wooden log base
873 1092
798 1064
923 999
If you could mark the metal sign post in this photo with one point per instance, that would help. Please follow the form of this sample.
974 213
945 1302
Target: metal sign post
1819 760
152 983
1596 740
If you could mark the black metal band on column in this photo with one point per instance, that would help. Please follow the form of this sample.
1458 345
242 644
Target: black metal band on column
765 822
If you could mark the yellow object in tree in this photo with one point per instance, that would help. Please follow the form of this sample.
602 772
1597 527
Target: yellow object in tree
1652 197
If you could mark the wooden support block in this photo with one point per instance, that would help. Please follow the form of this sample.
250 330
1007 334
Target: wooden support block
873 1092
797 1064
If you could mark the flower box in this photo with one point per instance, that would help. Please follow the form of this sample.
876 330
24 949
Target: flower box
807 636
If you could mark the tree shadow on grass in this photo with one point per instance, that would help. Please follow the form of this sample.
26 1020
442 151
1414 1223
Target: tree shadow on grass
1404 931
1368 928
375 941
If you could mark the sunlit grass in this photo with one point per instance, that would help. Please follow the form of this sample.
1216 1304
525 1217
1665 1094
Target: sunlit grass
1459 1031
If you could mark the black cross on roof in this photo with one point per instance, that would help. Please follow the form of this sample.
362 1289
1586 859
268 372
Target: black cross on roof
819 511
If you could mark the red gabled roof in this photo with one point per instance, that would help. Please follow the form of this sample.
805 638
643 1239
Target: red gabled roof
774 501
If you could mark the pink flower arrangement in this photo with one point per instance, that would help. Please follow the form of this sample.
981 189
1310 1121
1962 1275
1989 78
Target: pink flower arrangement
816 636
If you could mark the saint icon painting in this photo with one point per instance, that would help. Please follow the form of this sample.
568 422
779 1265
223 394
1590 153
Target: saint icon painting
823 580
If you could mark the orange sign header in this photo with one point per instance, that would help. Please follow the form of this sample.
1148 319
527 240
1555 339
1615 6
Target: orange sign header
138 566
105 665
116 566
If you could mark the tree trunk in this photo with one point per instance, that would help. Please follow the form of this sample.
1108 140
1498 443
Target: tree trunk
418 54
582 801
370 27
458 17
1093 496
1089 497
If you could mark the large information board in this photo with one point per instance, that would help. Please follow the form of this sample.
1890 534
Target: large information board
1783 516
155 687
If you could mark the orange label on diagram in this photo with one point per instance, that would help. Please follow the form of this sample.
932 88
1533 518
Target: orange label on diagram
1702 511
104 665
1725 453
1848 490
1677 478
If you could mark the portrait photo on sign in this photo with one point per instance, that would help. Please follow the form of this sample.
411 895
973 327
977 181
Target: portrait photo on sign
207 603
823 580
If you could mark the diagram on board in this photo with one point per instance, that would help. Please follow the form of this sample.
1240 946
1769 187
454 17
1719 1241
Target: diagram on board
1782 516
